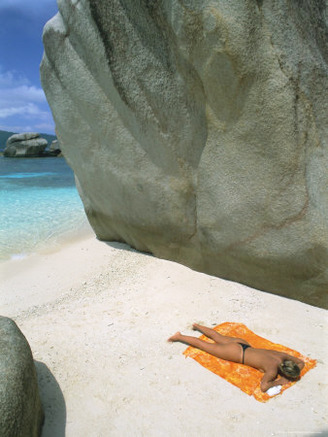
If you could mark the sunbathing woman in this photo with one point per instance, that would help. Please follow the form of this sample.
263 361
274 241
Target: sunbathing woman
270 362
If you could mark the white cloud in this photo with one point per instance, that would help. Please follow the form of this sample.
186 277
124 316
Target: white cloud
27 110
7 79
17 96
23 93
20 101
17 128
45 127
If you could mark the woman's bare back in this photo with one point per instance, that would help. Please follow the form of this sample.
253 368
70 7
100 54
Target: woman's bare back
264 359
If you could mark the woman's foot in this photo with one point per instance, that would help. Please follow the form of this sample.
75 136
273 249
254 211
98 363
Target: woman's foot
196 327
175 337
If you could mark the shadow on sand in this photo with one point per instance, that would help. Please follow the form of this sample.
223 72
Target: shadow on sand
53 402
125 246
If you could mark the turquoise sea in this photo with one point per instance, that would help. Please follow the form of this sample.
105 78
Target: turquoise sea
39 205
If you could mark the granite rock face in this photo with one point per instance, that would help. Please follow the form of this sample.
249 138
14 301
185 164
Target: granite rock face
197 131
28 144
54 147
21 412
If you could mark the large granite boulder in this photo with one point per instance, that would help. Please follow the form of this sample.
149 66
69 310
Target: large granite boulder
21 412
28 144
197 130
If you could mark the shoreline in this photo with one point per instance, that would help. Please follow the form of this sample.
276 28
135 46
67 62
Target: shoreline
53 244
45 209
97 316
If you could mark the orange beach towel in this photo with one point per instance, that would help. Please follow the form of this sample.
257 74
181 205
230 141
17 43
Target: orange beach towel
246 378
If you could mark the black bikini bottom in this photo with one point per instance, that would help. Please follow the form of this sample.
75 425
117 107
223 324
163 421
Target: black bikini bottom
244 346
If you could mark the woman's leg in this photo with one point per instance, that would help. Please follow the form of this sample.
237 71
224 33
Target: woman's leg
215 336
229 351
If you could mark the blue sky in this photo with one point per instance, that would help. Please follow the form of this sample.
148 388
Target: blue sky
23 106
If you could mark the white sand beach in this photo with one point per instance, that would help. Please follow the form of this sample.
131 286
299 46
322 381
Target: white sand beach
97 317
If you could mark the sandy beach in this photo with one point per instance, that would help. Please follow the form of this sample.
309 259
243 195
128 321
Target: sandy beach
97 316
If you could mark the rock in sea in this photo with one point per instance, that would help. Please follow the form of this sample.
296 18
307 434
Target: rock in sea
21 412
54 147
197 131
28 144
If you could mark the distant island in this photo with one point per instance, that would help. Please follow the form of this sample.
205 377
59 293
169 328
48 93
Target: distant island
4 135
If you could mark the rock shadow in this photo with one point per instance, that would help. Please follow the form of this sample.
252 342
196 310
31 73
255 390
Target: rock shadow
125 246
53 402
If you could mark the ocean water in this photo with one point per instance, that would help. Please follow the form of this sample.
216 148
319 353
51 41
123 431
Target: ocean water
39 205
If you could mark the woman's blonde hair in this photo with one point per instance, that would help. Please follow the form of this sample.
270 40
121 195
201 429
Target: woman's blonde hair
289 369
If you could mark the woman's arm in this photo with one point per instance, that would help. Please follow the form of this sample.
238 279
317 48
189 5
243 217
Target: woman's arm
296 360
299 362
269 380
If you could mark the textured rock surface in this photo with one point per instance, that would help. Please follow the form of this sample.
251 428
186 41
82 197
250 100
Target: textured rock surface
54 146
28 144
20 407
197 130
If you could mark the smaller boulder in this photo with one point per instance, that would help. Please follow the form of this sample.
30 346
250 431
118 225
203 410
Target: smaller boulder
22 137
28 144
21 413
54 148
